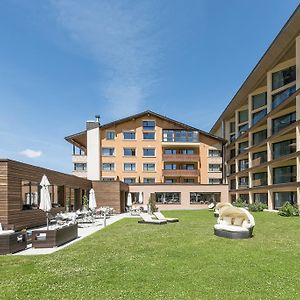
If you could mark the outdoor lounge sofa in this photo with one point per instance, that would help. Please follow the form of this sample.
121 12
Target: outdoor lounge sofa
220 206
146 219
160 216
11 241
234 223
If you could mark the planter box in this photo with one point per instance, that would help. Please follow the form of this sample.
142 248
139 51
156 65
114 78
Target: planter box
13 242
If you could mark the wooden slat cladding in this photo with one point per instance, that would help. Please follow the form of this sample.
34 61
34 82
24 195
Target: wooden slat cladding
11 175
111 194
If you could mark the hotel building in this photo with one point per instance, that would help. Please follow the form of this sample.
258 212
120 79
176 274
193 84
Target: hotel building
262 126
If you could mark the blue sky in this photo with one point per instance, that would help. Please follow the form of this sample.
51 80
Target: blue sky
64 61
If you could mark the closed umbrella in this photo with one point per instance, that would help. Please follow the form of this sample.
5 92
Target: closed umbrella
45 203
129 200
92 200
141 200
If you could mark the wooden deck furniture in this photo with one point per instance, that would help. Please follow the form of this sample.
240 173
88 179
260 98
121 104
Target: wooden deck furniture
12 242
54 237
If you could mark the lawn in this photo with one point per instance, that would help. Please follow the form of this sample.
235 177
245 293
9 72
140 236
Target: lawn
176 261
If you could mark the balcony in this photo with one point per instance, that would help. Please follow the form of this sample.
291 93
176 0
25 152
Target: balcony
181 157
259 182
79 158
181 173
180 136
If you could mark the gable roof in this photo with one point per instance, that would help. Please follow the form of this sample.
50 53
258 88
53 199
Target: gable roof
74 138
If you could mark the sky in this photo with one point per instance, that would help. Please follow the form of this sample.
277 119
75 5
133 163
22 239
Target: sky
62 62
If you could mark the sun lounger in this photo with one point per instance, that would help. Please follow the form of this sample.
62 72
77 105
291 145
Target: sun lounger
146 219
160 216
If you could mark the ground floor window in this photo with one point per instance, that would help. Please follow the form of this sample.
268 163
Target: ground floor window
149 180
204 197
170 180
188 180
261 198
129 180
281 197
244 197
168 198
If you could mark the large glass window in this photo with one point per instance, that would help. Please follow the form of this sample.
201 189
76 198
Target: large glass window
149 180
129 135
129 167
243 182
30 194
232 153
168 198
188 167
283 77
232 127
188 180
108 166
284 148
259 136
180 136
170 167
282 122
243 164
281 197
148 151
149 167
170 180
244 197
129 151
259 100
261 198
80 167
243 128
187 151
256 117
204 197
281 96
214 167
261 156
243 116
243 147
214 153
149 125
260 179
149 135
232 184
284 174
108 151
232 169
110 135
170 151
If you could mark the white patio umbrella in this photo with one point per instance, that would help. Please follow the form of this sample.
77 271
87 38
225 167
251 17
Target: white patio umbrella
141 200
45 203
129 200
92 200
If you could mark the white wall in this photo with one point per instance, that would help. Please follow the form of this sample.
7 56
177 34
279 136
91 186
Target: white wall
93 154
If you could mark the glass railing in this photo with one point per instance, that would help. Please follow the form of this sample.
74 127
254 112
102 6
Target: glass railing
283 122
256 117
280 97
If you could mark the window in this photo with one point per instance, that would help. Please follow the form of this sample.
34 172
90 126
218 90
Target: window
256 117
282 122
170 167
110 135
187 151
281 197
129 167
243 164
129 180
188 167
108 151
170 151
281 96
168 198
129 151
78 151
259 100
129 135
180 136
232 138
232 153
232 169
284 148
148 151
149 180
108 178
243 147
215 181
259 136
243 128
283 77
189 180
243 182
232 184
149 135
170 180
260 179
284 174
243 116
214 168
149 125
260 156
149 167
214 153
232 127
261 198
80 167
30 194
204 198
244 197
108 166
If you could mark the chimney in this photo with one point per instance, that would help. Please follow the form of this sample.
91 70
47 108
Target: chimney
93 124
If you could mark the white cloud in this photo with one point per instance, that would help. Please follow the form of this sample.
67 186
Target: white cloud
120 37
31 153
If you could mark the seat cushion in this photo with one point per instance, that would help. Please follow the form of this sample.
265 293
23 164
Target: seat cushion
231 228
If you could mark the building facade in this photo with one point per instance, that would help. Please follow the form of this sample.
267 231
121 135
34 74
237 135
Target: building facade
147 148
262 126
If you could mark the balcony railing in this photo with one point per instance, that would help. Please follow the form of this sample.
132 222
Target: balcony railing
180 136
79 158
181 173
181 157
259 182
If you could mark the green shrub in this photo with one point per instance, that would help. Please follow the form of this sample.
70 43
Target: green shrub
288 210
239 203
257 206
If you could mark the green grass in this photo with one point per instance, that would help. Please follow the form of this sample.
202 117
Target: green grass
175 261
